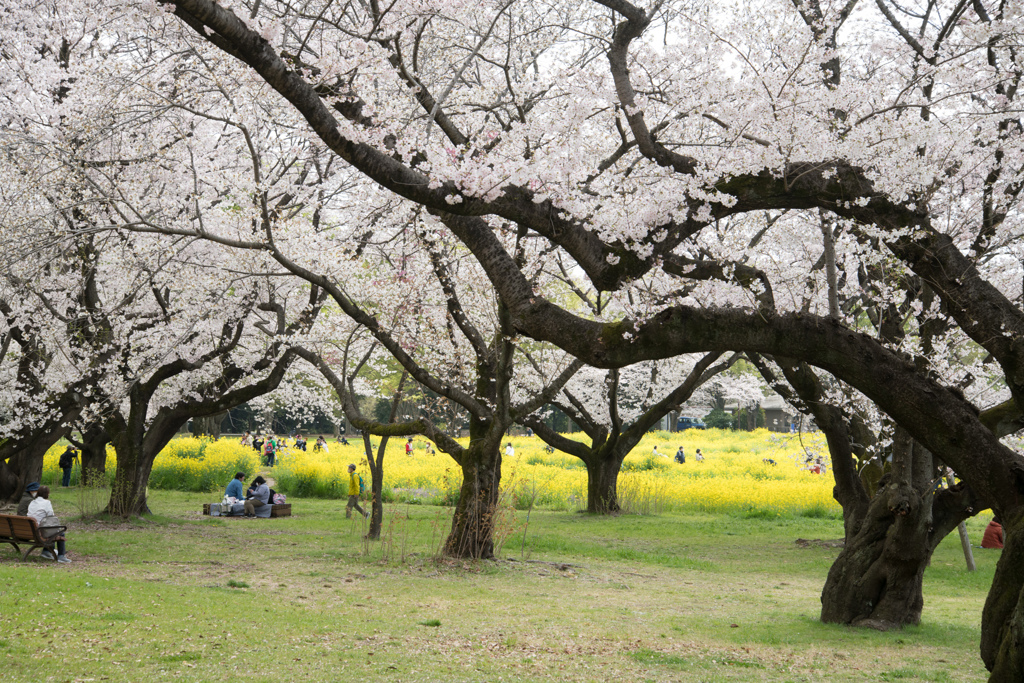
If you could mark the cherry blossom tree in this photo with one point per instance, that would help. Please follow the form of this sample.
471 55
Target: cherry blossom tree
626 137
615 409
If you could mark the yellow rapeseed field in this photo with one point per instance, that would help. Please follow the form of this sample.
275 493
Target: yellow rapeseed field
733 477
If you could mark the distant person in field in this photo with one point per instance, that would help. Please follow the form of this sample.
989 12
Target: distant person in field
321 444
408 447
699 456
246 439
993 537
257 444
269 448
300 442
654 451
353 494
66 462
509 451
681 456
430 449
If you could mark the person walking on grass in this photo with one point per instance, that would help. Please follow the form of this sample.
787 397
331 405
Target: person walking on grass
269 449
353 494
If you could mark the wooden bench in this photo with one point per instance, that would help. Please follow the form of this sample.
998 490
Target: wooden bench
15 530
282 510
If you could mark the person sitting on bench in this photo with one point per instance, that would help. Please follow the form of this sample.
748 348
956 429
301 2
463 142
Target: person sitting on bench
42 509
26 498
259 496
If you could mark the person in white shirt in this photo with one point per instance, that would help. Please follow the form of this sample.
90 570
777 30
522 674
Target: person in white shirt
509 451
41 508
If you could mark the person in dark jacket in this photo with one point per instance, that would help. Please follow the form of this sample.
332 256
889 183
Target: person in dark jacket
260 496
66 462
27 498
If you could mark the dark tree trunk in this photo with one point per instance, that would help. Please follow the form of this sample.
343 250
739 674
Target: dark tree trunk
128 494
890 536
376 484
877 579
136 445
25 464
209 425
472 533
1002 621
602 481
94 455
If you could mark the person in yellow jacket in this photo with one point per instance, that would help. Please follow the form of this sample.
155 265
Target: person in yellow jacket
353 494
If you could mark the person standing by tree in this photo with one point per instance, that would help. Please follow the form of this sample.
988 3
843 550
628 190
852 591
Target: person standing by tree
66 462
353 494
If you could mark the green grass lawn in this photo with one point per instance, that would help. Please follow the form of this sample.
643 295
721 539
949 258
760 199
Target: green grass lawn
675 597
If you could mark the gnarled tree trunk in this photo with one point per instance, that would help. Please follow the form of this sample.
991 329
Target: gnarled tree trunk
472 533
25 463
1002 621
877 579
94 454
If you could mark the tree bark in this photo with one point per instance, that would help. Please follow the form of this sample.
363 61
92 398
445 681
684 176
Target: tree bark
877 579
1002 620
376 484
472 532
128 494
25 464
603 481
94 454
